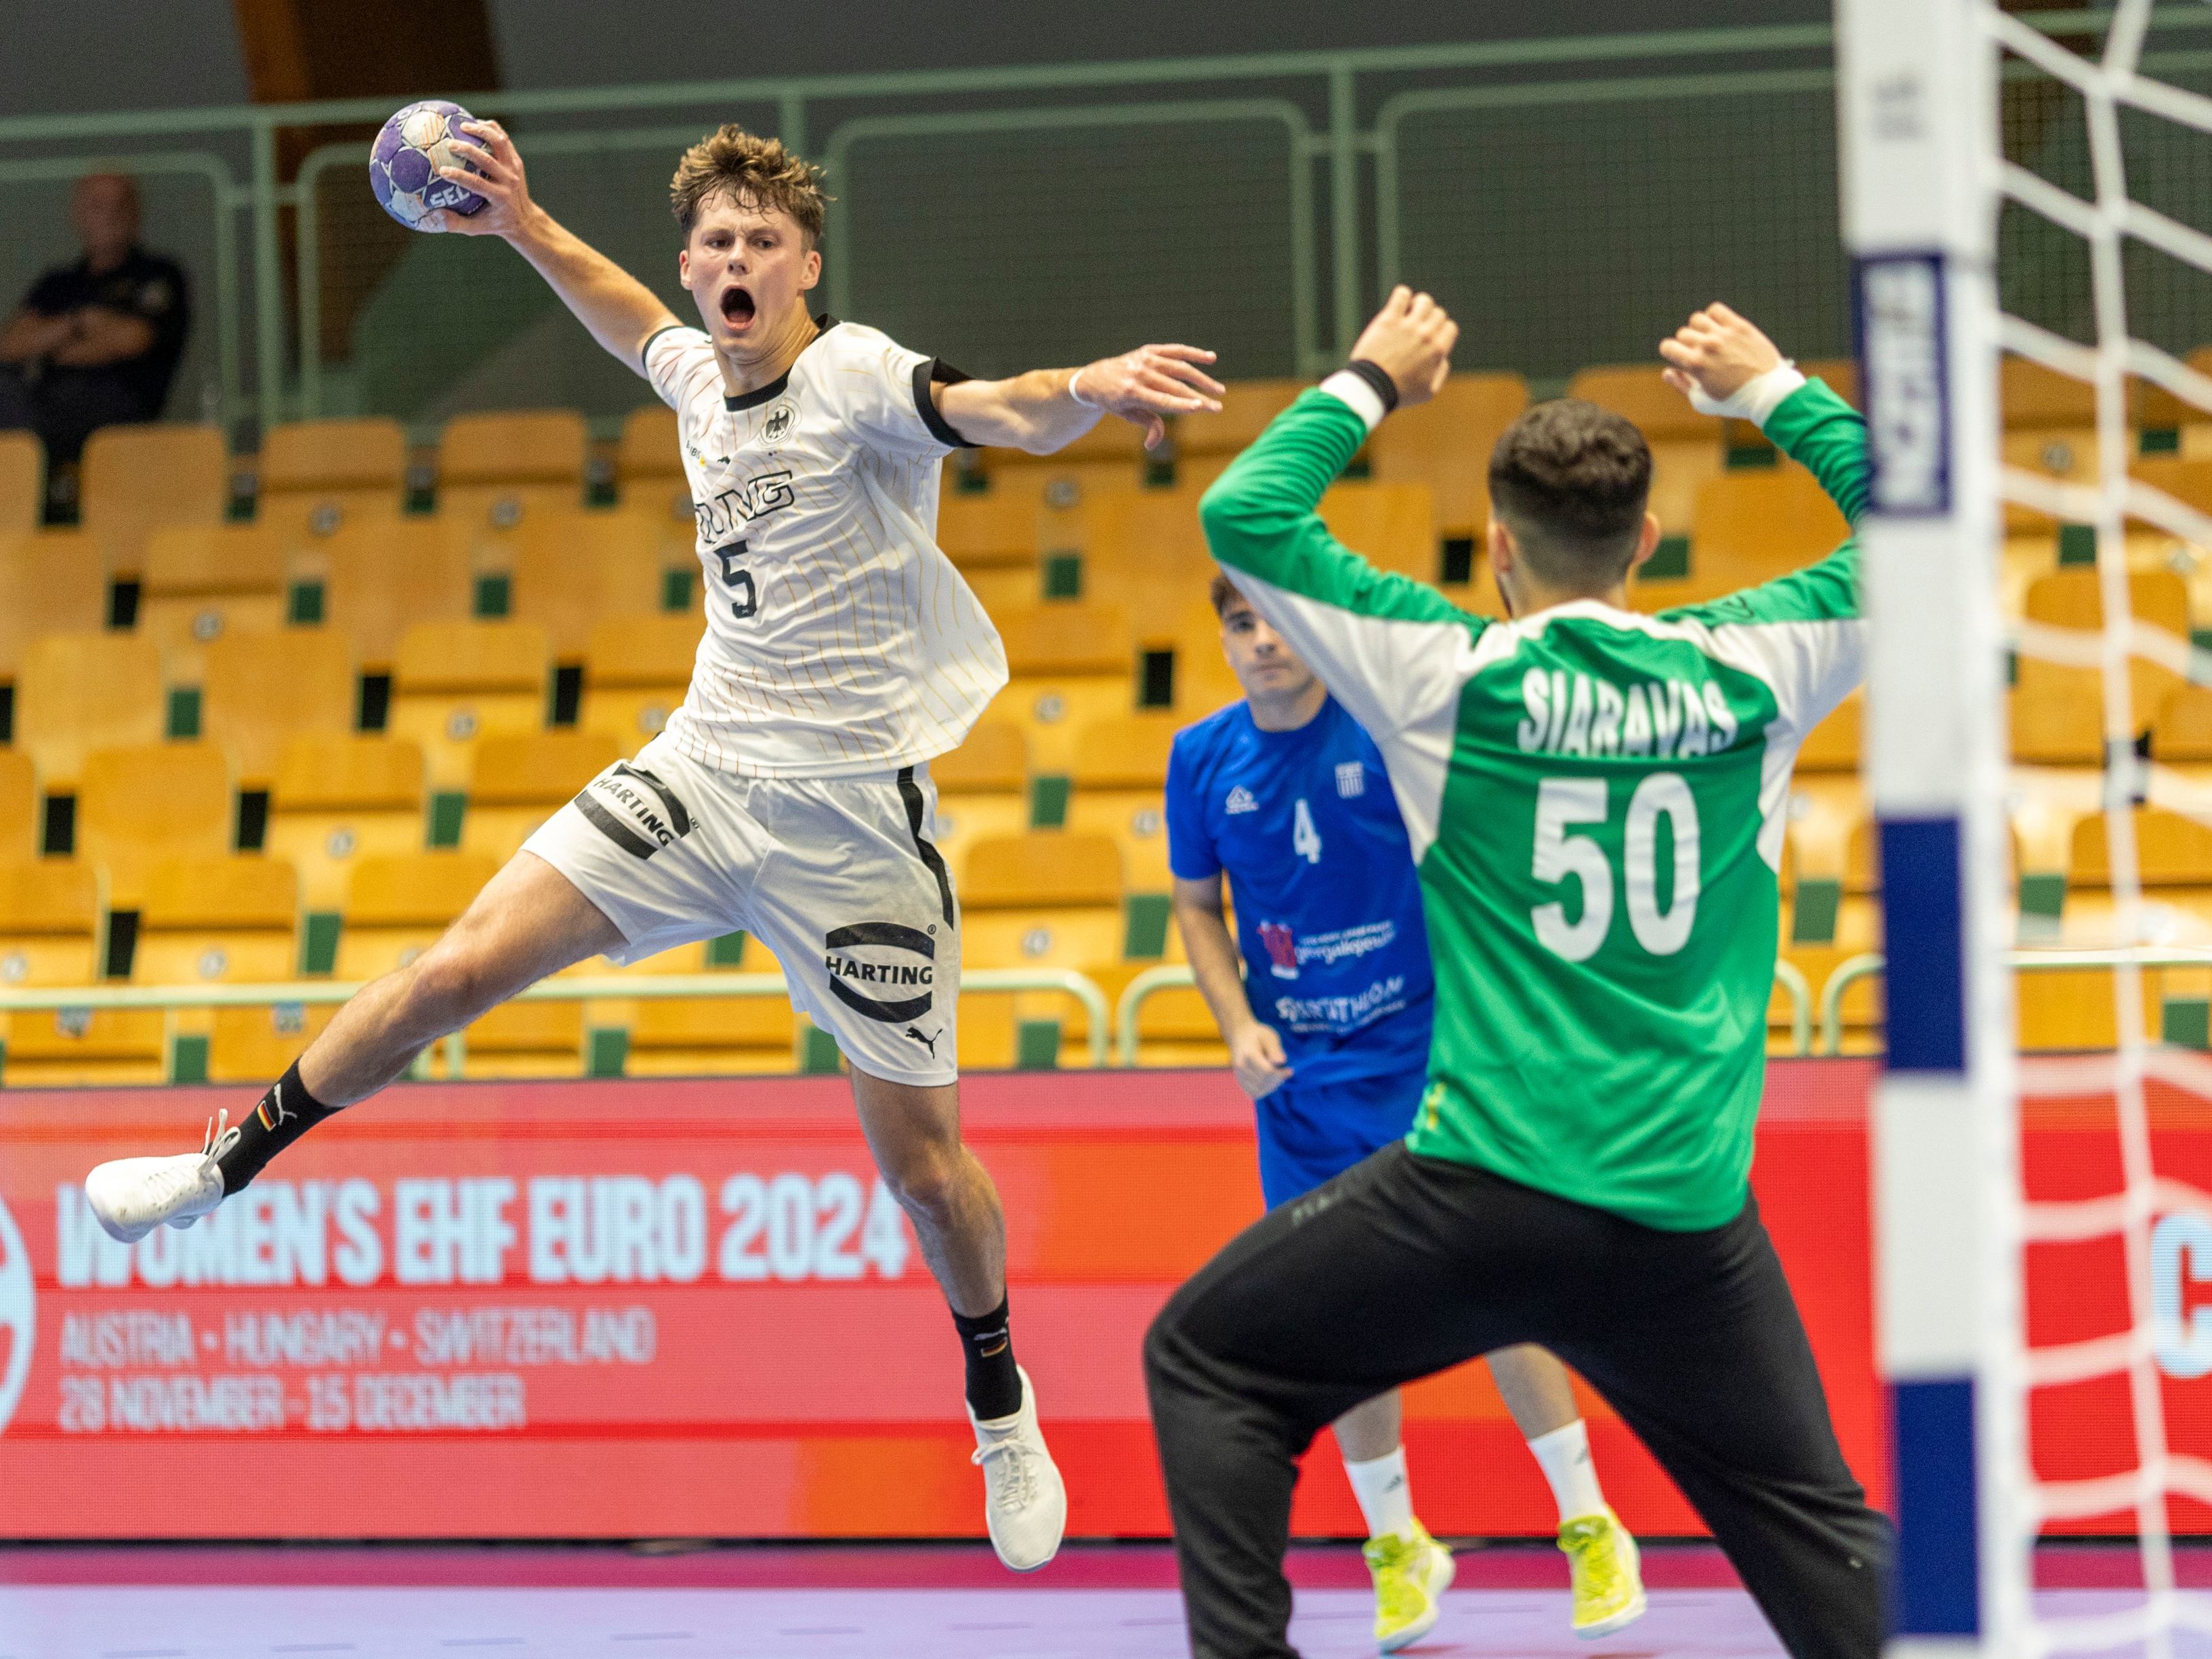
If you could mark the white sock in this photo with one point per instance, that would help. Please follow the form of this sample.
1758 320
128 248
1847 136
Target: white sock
1385 1495
1564 1454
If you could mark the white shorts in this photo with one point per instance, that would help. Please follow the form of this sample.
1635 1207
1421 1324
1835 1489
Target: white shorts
836 876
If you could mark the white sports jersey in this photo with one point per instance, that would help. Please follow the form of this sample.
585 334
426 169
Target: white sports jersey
840 639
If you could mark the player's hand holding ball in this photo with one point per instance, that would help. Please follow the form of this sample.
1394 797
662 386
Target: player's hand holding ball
1144 386
1715 355
1411 340
495 173
1255 1054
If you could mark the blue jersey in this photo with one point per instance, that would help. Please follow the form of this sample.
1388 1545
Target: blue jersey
1329 907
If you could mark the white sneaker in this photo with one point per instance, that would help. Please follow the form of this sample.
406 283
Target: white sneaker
1025 1504
132 1196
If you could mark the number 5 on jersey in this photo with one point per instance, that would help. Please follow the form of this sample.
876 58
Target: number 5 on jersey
1564 804
739 580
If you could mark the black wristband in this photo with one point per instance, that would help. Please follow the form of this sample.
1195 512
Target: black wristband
1383 386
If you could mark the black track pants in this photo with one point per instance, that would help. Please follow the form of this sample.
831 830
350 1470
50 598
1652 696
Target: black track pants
1403 1266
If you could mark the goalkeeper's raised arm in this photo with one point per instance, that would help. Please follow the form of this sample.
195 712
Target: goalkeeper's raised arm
1725 366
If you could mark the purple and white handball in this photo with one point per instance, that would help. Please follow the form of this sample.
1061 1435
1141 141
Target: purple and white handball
403 165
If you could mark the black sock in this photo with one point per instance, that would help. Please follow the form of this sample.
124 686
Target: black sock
284 1113
995 1387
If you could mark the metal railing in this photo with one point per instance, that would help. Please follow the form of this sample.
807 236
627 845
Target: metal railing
1848 972
1343 115
1176 975
579 988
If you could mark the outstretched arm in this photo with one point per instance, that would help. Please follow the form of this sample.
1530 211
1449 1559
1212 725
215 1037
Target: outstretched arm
1388 647
621 312
1049 408
1725 366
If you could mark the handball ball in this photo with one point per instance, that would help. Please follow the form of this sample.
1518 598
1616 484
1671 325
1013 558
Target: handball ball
403 166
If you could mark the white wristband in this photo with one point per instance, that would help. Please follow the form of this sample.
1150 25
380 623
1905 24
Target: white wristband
1081 401
1756 399
1356 395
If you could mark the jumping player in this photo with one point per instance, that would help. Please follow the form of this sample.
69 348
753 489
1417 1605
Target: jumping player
1327 1029
1594 802
789 796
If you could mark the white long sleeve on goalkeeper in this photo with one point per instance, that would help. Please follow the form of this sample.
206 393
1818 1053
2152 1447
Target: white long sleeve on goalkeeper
1755 399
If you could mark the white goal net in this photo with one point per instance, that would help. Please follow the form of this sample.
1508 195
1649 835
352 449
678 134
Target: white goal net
2028 200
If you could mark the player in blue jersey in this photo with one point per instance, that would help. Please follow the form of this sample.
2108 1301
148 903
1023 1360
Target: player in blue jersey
1327 1027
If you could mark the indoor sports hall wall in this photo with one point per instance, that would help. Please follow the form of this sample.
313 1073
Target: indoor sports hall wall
1566 197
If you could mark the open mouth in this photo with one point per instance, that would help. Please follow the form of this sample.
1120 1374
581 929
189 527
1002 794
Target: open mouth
737 307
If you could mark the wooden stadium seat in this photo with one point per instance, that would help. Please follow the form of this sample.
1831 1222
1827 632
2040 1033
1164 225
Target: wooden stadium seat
982 789
727 1036
2073 1009
1050 899
1068 664
51 582
1756 525
78 692
260 691
19 807
650 449
1120 779
1246 408
454 683
2073 598
22 482
1827 797
517 782
1685 446
204 582
139 805
1056 484
1391 525
495 468
2049 430
522 1040
339 799
575 570
50 912
1203 681
993 538
317 476
397 904
230 918
379 579
252 1045
1445 444
1137 546
138 478
2058 728
635 674
2181 747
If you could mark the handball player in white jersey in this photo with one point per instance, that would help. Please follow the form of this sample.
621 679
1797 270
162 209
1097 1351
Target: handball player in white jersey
789 797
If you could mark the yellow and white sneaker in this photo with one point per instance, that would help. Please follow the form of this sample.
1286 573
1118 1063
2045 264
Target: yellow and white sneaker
1608 1580
1411 1577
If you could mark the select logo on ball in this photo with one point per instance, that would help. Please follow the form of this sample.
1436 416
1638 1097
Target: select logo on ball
18 1316
403 163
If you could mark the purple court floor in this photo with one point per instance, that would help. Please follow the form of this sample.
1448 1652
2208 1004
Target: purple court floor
831 1603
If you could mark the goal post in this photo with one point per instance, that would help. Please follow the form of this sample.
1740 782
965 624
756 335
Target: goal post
1917 111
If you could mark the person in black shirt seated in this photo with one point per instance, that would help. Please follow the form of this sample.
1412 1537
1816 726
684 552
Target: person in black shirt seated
95 343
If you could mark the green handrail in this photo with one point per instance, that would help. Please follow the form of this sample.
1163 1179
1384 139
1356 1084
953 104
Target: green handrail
1172 974
1850 970
578 988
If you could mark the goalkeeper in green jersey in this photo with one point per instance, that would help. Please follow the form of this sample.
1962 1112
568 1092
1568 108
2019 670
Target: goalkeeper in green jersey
1596 802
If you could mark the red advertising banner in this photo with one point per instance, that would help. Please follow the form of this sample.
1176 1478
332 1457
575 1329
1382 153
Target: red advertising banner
690 1309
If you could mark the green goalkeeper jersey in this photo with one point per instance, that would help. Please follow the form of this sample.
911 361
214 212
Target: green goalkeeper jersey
1596 801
